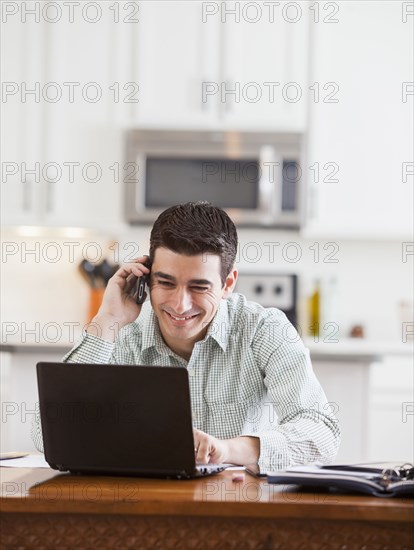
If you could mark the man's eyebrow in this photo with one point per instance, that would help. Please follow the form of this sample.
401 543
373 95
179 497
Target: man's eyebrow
164 275
200 282
192 281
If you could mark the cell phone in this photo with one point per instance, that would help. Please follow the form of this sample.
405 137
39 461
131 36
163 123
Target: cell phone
139 290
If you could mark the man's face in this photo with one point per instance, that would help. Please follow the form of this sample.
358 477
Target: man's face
185 295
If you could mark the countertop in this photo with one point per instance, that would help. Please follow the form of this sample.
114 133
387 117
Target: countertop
346 349
358 349
41 347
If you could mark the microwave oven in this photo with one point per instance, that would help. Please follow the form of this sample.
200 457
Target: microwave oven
254 176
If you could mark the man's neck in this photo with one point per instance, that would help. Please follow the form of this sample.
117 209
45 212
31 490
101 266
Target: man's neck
184 351
183 348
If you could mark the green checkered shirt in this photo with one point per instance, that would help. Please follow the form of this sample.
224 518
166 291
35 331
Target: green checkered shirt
251 375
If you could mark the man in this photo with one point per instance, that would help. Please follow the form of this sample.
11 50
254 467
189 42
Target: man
254 395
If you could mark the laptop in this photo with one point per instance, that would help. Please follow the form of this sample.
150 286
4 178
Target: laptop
118 420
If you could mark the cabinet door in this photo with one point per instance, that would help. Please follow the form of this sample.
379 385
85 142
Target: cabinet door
68 133
264 65
346 385
360 134
22 62
390 433
84 139
19 397
176 52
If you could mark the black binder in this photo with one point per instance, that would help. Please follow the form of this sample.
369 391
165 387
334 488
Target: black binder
370 479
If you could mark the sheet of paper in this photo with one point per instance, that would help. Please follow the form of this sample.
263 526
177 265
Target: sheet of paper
29 461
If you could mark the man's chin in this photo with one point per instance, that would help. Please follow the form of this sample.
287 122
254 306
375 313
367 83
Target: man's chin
193 329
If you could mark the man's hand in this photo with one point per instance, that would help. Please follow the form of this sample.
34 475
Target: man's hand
240 450
118 308
209 448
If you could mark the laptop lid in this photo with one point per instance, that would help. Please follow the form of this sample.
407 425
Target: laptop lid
120 419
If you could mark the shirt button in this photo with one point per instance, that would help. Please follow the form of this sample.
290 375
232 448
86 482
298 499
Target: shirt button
194 415
190 372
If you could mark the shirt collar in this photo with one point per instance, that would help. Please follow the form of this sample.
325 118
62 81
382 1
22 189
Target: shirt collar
219 328
151 335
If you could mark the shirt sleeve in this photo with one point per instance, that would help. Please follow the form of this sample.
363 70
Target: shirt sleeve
90 349
304 429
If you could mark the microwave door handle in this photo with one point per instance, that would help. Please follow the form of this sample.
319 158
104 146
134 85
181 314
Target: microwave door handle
270 184
140 183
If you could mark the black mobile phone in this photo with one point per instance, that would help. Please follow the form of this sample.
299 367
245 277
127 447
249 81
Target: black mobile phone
139 290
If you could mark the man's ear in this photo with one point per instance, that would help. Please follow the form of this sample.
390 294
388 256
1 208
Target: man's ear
230 282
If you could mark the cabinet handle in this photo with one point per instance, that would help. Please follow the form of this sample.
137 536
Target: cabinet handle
313 201
26 195
227 106
49 192
204 107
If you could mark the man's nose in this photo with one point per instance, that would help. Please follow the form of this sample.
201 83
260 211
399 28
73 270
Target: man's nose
182 301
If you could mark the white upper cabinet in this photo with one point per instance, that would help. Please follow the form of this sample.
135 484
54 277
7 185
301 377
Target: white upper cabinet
22 126
222 64
83 135
264 65
360 139
65 139
175 53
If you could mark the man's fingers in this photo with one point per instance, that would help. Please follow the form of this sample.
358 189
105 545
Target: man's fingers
137 268
202 447
141 259
202 456
129 283
128 273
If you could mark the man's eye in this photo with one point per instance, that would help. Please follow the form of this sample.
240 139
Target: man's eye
165 283
200 288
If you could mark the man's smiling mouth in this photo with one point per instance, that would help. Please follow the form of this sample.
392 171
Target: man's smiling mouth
181 318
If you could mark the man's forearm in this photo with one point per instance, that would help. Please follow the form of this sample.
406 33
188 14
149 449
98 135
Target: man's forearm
240 450
243 450
105 327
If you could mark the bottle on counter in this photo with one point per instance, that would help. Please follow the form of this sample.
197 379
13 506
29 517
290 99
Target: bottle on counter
314 309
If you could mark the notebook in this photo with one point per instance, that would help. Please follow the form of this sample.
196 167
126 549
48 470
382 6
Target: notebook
118 420
376 479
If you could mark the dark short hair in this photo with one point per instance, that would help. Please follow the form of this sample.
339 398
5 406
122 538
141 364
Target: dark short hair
196 228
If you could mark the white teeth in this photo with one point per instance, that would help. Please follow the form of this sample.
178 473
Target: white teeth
180 318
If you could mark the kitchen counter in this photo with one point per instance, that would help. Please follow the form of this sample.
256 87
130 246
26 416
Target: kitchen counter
345 349
357 349
18 347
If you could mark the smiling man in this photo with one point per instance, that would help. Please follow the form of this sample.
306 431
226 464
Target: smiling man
254 395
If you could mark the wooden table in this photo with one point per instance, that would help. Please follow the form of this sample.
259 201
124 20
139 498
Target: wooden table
41 508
